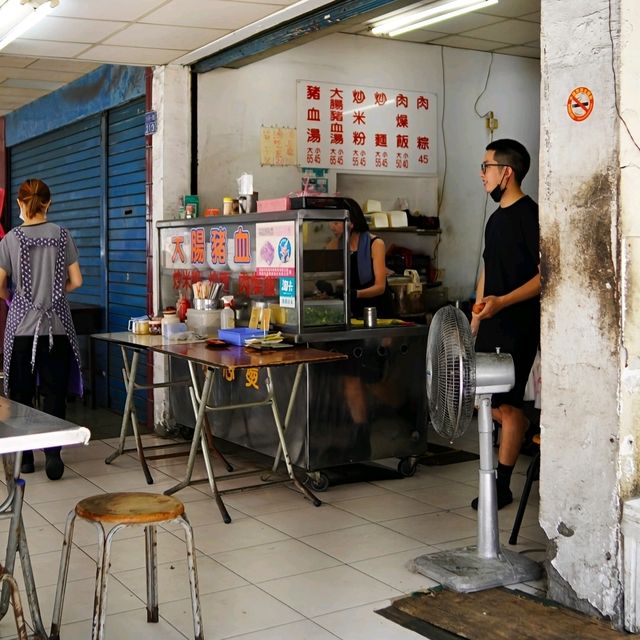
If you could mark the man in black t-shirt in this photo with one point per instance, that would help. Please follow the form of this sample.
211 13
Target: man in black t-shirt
509 288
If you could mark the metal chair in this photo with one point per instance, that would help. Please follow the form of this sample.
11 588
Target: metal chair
533 474
119 510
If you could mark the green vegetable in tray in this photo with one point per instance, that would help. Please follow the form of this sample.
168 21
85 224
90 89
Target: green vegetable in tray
315 315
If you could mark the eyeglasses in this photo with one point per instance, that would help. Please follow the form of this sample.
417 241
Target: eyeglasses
484 165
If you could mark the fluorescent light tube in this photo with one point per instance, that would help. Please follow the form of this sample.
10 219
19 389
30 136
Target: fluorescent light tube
31 19
431 14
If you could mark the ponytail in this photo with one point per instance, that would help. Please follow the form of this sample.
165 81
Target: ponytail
35 195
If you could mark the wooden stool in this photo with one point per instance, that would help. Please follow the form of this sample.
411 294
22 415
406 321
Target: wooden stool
533 473
120 510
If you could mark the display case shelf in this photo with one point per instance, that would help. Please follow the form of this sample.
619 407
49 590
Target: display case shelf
412 230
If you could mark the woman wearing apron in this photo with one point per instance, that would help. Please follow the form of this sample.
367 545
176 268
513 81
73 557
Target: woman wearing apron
40 343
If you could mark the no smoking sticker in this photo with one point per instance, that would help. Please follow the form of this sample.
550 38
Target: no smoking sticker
580 104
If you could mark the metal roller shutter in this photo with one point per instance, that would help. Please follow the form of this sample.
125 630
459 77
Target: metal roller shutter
96 171
126 237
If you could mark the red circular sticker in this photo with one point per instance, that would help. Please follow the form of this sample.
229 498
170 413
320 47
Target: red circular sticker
580 104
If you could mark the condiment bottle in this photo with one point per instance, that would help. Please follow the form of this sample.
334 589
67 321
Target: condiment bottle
181 307
227 315
227 206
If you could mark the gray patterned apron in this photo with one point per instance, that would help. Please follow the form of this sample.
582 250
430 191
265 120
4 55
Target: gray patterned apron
22 303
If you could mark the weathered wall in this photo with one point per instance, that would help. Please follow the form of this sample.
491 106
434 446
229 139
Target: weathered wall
581 319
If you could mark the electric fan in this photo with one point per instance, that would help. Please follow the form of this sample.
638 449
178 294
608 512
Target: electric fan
457 379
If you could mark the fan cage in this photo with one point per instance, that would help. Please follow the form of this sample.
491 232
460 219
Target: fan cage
451 373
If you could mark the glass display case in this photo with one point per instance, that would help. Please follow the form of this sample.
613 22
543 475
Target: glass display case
294 262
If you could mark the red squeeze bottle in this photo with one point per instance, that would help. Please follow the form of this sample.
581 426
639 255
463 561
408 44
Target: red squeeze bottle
181 308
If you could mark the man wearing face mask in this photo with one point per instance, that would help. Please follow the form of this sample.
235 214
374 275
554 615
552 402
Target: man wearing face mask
508 293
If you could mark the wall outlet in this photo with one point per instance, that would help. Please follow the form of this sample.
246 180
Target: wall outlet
492 123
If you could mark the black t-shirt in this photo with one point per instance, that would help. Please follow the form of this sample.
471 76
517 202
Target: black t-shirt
511 258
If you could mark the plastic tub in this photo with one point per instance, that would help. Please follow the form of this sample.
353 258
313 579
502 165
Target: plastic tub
204 322
239 335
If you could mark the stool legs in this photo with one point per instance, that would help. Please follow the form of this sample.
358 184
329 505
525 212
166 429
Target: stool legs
62 577
532 475
151 545
198 631
103 564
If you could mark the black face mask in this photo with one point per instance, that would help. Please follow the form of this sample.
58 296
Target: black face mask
497 192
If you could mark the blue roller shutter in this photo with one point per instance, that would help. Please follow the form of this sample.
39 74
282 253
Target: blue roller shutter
126 237
69 160
96 171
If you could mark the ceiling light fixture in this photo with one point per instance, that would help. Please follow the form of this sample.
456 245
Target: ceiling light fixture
23 15
428 15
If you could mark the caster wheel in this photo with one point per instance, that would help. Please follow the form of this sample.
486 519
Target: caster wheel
407 467
317 481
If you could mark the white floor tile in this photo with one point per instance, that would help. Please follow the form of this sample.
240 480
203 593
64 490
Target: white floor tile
232 612
448 496
319 592
305 630
130 553
130 624
267 500
173 580
433 528
246 532
78 601
275 560
362 623
308 520
394 570
361 543
386 506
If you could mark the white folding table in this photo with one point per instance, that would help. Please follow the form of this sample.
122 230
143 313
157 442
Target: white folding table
21 429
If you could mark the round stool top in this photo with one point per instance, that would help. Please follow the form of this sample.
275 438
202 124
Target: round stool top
130 508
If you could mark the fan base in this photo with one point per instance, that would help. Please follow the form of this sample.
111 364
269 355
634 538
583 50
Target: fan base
464 571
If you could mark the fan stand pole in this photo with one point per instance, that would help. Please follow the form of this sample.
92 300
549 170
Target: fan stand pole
488 536
485 565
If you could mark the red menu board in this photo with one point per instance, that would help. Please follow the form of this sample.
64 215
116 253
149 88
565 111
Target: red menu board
357 128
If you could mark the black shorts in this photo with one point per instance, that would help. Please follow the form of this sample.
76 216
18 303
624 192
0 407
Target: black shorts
519 342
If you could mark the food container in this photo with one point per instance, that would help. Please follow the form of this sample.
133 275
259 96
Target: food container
155 326
204 322
204 303
408 293
173 329
139 326
318 312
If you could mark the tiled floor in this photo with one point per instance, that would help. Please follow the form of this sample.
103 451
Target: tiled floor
281 569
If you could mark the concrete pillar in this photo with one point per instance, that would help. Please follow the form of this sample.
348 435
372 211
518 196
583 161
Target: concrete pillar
171 179
589 194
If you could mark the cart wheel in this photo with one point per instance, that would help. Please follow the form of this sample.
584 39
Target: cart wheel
186 433
407 467
317 481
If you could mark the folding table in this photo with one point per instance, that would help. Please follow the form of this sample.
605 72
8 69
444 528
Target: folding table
21 429
232 358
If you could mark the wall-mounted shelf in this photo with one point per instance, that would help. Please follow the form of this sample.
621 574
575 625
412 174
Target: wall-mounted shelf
413 230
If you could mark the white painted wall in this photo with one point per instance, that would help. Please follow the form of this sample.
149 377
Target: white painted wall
171 163
234 103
